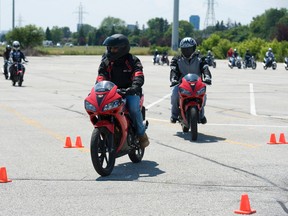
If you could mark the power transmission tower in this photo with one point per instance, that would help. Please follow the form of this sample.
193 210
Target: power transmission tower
80 16
210 15
20 20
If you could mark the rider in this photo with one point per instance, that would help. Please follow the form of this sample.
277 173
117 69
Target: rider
270 54
198 53
229 53
209 54
234 56
156 53
126 71
187 62
247 56
6 56
16 55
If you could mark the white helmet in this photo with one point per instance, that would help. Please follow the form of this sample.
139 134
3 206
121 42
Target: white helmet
16 45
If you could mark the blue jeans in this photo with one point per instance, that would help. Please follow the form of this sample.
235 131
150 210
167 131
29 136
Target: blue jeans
133 106
175 103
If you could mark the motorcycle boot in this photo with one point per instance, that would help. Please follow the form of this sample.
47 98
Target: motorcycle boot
203 120
144 141
173 120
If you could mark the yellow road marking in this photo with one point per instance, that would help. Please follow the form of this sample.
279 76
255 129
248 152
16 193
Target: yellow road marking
38 125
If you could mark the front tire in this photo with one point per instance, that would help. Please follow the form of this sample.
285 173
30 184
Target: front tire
103 151
194 123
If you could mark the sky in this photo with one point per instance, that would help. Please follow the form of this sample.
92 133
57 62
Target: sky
62 13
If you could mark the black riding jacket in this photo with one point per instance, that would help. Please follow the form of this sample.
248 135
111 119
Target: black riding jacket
125 72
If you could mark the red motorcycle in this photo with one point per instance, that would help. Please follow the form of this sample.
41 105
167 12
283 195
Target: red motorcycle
192 91
17 73
114 134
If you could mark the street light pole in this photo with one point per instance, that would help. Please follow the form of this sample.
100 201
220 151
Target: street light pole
13 14
175 26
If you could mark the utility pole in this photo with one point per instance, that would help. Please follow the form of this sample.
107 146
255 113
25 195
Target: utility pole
13 14
175 27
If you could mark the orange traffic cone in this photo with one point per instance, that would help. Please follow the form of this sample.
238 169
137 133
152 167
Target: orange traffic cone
3 175
282 139
78 142
245 206
272 139
68 143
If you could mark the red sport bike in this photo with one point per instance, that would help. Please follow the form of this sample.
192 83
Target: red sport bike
192 91
114 134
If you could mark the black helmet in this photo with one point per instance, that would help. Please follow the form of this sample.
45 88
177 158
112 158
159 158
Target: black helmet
188 46
8 48
117 40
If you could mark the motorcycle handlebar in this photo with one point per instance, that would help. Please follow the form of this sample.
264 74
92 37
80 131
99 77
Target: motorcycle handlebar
122 91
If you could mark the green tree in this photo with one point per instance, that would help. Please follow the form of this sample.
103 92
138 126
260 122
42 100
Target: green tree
56 34
66 32
156 30
113 25
269 25
29 36
81 37
48 35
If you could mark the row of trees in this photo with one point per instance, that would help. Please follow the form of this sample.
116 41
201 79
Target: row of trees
269 29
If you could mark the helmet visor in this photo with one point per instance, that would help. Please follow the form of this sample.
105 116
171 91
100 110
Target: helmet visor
188 51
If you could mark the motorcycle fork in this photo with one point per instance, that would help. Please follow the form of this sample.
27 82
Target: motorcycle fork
185 112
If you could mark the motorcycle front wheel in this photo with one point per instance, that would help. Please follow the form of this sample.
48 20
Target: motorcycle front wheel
20 81
103 151
193 118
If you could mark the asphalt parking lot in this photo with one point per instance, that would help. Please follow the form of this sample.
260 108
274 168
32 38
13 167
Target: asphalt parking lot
176 176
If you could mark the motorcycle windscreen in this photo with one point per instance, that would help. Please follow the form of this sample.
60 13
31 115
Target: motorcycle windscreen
191 77
103 86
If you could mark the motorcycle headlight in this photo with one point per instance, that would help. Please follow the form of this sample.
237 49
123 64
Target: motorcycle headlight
201 91
89 106
184 91
112 105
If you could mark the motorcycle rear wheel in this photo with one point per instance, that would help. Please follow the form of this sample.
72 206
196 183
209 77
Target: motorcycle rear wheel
103 151
193 118
136 155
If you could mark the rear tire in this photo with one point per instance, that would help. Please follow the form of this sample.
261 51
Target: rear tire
136 155
184 128
194 123
103 151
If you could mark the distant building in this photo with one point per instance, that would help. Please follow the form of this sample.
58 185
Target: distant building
195 21
131 27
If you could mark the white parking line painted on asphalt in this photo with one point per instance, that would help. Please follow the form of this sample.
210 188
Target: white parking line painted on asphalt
158 101
252 101
225 125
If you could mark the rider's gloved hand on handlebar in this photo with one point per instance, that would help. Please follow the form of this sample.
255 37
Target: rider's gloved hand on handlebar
174 82
207 80
131 91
